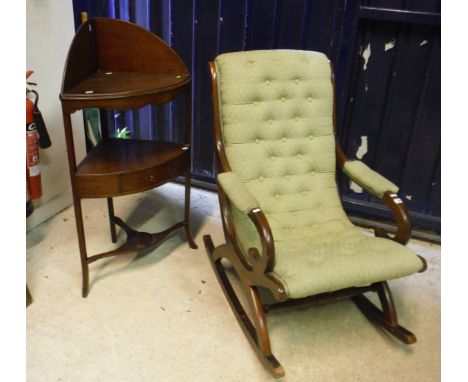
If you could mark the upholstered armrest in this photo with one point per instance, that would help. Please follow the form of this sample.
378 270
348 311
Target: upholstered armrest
237 193
234 190
367 178
385 190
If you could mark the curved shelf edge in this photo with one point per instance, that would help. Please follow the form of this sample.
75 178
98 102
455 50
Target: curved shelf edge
114 45
119 167
123 101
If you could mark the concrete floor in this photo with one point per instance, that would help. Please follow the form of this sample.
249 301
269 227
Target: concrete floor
161 315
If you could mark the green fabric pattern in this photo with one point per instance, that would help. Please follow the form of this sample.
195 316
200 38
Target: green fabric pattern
236 192
277 125
368 179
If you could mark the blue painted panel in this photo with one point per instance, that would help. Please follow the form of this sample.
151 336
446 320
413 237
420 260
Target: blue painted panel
159 21
182 42
233 25
402 106
261 17
392 99
124 10
386 55
206 48
321 26
290 16
421 175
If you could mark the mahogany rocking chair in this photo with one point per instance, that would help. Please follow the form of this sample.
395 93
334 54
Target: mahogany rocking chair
285 228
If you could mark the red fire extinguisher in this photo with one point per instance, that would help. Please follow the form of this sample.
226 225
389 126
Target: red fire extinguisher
36 136
33 171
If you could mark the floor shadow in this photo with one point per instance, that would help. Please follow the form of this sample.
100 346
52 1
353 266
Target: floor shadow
144 258
163 212
314 324
154 212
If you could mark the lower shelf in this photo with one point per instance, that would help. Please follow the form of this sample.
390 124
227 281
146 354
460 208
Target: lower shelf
118 167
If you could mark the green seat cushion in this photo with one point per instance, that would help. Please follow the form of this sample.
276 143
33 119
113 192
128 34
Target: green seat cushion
314 256
277 125
339 256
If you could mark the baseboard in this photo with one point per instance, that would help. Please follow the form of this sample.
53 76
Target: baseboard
49 209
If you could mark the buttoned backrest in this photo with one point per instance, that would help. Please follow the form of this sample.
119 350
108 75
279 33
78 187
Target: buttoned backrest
276 110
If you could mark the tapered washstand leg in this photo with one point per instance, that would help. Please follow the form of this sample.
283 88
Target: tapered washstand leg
110 208
387 317
188 230
76 200
82 246
256 331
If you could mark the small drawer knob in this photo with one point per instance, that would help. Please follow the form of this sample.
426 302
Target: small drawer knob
151 178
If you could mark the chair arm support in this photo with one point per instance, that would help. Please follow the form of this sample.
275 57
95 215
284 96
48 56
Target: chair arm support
400 214
232 189
267 260
367 178
237 193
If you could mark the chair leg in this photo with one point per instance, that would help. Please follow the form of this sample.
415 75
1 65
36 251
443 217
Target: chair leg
387 317
82 246
387 303
188 230
256 331
110 208
258 315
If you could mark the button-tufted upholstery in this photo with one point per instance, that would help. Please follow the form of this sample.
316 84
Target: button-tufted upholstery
276 112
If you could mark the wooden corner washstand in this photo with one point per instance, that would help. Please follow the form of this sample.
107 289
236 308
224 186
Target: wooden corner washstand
114 64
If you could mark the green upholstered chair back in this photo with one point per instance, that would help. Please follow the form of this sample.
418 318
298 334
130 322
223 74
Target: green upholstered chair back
276 111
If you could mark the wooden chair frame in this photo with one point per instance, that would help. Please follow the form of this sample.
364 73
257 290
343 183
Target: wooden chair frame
255 269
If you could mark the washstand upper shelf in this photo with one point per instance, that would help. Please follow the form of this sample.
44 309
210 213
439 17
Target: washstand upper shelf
116 64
